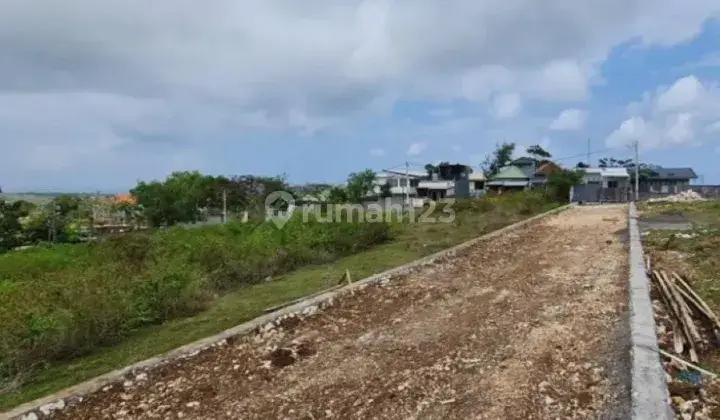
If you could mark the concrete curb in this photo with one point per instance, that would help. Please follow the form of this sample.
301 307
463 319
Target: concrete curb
73 395
650 397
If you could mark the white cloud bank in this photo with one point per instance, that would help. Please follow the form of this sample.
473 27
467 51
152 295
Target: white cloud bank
85 80
681 114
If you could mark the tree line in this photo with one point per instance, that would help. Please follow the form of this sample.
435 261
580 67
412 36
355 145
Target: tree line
182 197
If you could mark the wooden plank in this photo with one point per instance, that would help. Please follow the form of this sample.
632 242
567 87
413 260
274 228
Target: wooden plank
691 333
701 305
674 305
678 339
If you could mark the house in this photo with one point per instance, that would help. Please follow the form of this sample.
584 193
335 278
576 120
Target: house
602 185
667 180
522 173
509 177
607 177
401 183
442 184
543 171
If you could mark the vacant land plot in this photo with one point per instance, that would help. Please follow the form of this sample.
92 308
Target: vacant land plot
65 298
685 238
528 325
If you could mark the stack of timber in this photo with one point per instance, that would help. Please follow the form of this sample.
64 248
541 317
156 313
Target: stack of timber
689 315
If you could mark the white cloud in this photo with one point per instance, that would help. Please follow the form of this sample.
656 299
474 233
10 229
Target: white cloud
677 115
681 130
506 106
188 72
377 152
569 120
457 148
417 148
684 93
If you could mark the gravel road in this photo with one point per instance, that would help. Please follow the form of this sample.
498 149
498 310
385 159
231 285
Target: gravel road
528 325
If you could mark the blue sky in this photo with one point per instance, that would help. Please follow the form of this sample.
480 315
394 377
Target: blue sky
128 90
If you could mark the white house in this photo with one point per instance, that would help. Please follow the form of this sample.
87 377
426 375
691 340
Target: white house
400 182
608 177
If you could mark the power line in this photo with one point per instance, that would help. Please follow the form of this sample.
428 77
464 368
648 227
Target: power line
595 152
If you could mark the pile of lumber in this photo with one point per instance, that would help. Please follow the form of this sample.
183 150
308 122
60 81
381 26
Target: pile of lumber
686 311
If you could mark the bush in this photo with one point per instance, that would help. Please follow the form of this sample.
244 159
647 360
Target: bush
62 301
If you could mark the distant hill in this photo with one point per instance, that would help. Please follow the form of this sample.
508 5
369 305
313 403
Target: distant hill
36 197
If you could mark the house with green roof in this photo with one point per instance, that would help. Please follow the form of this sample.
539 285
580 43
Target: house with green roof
509 177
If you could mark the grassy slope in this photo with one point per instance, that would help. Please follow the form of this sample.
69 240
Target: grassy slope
697 257
412 242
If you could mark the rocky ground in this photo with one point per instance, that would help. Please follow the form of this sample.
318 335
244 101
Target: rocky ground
529 325
693 396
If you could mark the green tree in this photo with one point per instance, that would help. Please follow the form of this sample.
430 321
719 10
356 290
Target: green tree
645 171
560 182
610 162
501 156
360 185
431 169
11 232
66 205
178 199
337 195
537 152
582 165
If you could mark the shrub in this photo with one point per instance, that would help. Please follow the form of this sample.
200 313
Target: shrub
62 301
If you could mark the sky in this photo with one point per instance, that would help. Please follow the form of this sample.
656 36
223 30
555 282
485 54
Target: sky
96 95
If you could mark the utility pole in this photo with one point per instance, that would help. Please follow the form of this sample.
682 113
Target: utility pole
224 198
637 170
407 183
588 153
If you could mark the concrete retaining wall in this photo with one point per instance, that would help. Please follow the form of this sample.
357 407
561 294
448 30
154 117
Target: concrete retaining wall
650 397
73 395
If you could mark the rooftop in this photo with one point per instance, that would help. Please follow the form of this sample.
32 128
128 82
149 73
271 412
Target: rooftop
674 173
608 172
414 174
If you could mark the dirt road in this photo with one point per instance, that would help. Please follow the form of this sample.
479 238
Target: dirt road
529 325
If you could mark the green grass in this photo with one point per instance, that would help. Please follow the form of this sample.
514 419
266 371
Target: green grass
702 248
236 305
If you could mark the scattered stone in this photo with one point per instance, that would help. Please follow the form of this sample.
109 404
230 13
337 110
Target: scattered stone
682 197
50 407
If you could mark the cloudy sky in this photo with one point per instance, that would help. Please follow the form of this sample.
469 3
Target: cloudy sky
98 94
